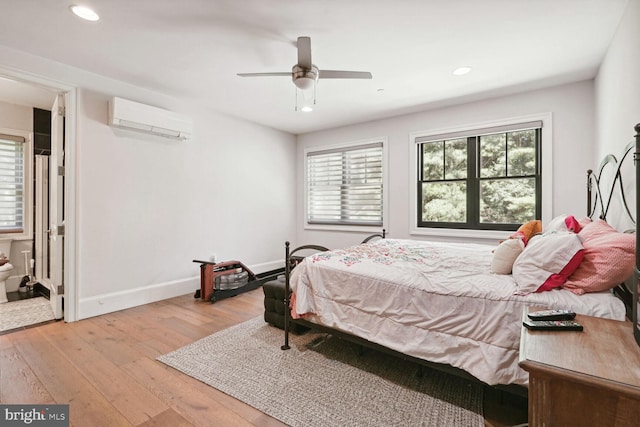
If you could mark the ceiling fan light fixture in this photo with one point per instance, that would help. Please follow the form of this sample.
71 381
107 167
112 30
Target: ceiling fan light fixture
305 100
304 83
84 12
304 79
305 75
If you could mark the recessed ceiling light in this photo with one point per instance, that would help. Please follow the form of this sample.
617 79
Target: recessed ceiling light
306 109
84 12
461 71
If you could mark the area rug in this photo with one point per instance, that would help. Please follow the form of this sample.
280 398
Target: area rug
26 312
323 381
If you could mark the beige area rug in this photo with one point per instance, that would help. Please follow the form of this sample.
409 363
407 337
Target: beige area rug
17 314
322 381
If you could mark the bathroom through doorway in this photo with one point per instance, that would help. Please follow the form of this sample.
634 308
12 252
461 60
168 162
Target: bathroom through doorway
43 238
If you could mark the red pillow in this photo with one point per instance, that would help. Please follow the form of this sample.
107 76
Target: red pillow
609 258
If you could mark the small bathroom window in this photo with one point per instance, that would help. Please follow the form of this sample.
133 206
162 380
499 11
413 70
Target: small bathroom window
15 183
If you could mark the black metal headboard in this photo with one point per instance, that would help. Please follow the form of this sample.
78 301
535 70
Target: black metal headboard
599 201
602 201
636 271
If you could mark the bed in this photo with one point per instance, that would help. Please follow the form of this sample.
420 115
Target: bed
441 303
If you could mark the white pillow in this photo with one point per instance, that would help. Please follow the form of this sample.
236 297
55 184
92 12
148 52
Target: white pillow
505 255
562 223
547 262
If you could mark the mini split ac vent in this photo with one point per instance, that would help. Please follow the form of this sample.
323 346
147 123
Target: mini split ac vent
139 117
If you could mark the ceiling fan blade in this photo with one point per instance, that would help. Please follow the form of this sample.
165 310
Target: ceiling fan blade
304 52
335 74
284 73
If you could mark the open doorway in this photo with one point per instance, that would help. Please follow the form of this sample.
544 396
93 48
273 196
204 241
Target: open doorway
36 248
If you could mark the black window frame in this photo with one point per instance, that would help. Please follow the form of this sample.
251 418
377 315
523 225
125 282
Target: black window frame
473 179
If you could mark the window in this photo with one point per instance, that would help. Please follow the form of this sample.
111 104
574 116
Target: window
13 200
484 179
345 185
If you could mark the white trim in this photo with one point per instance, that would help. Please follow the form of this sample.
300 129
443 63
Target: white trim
71 196
546 175
345 228
71 190
114 301
385 187
121 300
465 233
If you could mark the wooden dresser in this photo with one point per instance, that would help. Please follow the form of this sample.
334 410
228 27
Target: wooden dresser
589 378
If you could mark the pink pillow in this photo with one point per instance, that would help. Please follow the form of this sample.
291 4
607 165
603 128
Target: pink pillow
609 258
584 221
547 261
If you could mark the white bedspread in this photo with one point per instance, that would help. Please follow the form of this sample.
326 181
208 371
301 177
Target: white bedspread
435 301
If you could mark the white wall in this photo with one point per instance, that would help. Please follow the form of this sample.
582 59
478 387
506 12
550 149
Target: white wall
572 110
618 99
16 117
146 207
149 206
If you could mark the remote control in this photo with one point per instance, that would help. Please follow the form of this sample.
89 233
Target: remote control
552 325
552 315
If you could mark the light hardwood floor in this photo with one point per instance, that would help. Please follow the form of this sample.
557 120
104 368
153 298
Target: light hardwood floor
105 367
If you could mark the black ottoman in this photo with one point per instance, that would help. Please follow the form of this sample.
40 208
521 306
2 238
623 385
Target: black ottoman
274 305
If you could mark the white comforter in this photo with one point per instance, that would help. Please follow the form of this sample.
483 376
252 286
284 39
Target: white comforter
435 301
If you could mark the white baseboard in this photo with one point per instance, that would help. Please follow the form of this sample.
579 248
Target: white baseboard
114 301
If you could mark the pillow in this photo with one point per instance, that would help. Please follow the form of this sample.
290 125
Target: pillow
547 262
584 221
528 230
563 223
609 258
505 254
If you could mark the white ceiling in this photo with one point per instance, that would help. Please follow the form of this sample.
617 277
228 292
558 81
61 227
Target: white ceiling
194 48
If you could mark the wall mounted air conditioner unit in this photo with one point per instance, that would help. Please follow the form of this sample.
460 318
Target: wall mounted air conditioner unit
138 117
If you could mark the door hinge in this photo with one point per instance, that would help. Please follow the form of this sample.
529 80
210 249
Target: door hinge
60 229
60 289
60 170
62 110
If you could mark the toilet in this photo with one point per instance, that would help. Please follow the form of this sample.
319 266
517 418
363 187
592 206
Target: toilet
6 269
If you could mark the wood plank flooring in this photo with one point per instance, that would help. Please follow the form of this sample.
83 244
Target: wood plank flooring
105 368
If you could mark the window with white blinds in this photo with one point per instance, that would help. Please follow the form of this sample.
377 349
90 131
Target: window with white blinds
12 183
344 185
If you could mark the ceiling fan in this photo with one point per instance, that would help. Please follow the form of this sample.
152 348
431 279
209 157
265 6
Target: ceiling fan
304 74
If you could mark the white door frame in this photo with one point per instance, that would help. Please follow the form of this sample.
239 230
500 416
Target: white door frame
54 279
70 191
